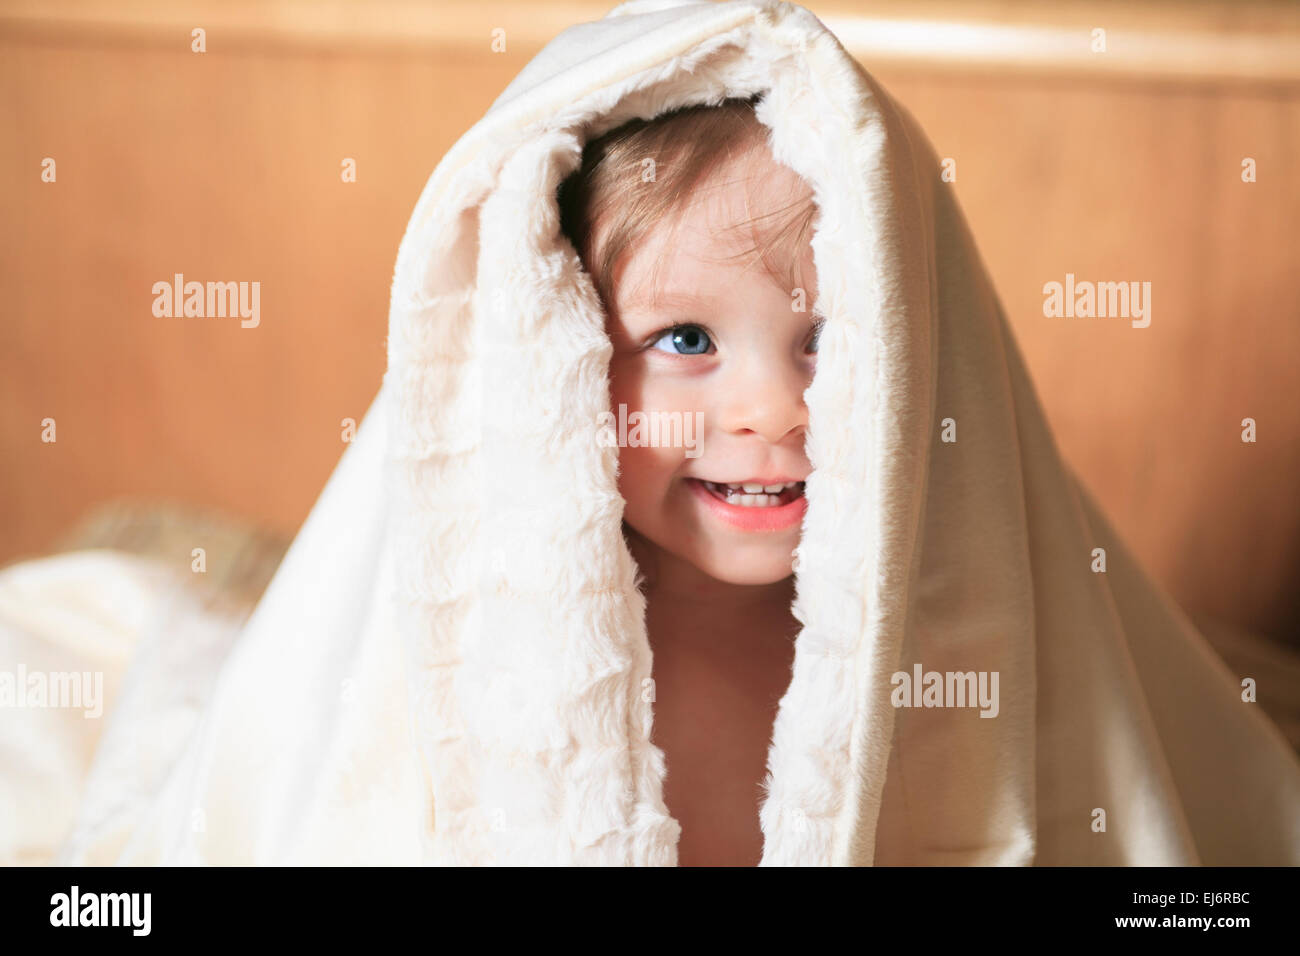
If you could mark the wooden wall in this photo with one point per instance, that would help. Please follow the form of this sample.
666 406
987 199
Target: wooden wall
225 165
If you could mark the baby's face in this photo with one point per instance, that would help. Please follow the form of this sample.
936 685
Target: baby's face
723 340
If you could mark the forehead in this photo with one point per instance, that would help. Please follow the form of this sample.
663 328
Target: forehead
695 254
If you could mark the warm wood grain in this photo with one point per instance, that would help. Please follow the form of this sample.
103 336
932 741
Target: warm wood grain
223 167
1225 41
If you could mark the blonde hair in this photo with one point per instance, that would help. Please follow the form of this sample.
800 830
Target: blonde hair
608 195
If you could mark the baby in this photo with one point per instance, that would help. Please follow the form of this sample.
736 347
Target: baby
672 219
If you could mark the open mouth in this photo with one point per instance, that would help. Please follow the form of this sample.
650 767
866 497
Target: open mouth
751 506
754 495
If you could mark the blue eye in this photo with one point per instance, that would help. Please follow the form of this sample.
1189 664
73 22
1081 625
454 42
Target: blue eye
684 340
816 336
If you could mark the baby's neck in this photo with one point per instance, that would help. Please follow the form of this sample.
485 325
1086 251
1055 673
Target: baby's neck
684 606
723 657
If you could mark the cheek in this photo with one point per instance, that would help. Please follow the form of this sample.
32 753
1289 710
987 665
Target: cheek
645 474
627 383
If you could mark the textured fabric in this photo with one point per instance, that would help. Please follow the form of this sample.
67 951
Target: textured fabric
448 667
103 635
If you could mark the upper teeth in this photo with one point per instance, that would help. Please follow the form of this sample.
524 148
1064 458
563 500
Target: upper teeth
756 489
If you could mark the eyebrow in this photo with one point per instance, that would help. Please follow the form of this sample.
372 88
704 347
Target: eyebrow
665 301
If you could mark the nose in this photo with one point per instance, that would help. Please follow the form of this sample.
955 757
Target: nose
765 398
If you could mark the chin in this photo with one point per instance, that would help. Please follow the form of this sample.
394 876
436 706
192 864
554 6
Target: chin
753 570
755 577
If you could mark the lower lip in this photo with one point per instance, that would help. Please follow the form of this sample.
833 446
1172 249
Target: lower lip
750 519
